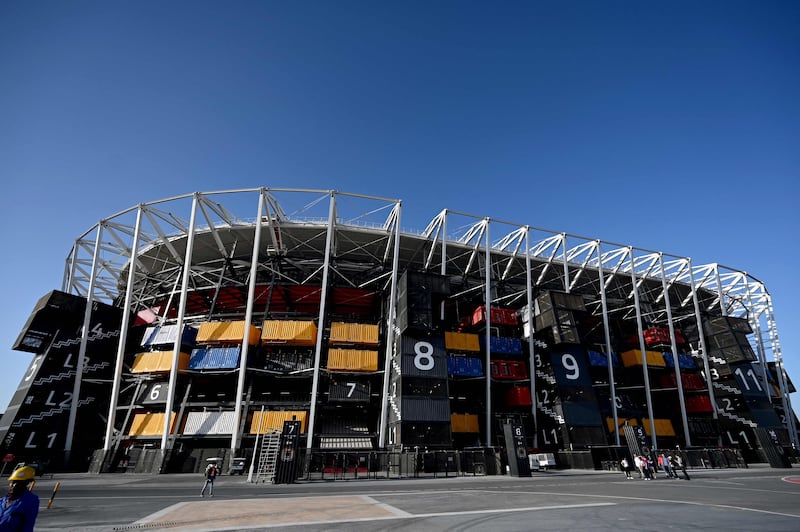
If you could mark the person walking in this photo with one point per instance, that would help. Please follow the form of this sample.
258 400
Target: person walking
20 506
637 461
210 474
663 461
626 468
679 465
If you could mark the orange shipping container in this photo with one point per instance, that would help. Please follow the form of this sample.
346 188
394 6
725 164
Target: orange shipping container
663 427
272 421
634 358
456 341
610 424
354 333
352 360
158 362
464 423
226 332
151 424
290 332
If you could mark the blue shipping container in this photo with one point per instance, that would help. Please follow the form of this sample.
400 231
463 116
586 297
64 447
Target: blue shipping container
215 358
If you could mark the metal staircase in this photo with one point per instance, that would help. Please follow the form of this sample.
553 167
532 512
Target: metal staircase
267 457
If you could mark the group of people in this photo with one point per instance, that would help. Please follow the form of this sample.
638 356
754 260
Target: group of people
671 465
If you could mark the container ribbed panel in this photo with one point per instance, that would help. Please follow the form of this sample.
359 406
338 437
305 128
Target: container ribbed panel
215 358
226 332
158 362
354 333
290 332
345 443
464 423
273 420
426 409
150 424
634 358
622 423
663 427
456 341
352 360
208 423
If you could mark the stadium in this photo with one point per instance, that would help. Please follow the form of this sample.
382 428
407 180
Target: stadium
308 328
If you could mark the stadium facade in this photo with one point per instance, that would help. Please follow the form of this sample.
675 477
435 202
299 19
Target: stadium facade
202 323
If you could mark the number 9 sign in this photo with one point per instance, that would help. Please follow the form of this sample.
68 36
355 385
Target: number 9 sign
570 367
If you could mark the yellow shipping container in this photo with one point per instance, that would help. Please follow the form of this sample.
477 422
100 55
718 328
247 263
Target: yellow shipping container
610 424
352 360
456 341
634 358
158 362
226 332
301 333
464 423
272 421
151 424
354 333
663 427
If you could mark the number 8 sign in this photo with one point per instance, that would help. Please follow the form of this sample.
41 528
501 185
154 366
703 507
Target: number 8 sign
424 357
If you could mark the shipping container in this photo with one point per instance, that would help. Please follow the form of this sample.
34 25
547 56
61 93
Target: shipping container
519 396
634 358
215 358
462 342
684 361
213 332
150 424
503 345
289 332
272 420
209 423
352 360
158 335
498 316
354 333
621 424
509 369
158 362
464 423
663 427
425 409
461 366
601 359
699 404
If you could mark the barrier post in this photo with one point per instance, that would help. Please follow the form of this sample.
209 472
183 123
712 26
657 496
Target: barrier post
53 496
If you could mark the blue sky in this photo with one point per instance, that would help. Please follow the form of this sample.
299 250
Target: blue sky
672 126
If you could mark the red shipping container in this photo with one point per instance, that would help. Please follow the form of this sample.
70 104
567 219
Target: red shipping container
509 369
699 404
690 381
499 316
519 396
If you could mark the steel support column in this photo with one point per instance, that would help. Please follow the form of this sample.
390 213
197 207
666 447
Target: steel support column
123 333
643 348
248 320
173 370
321 324
674 346
87 317
391 325
609 352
